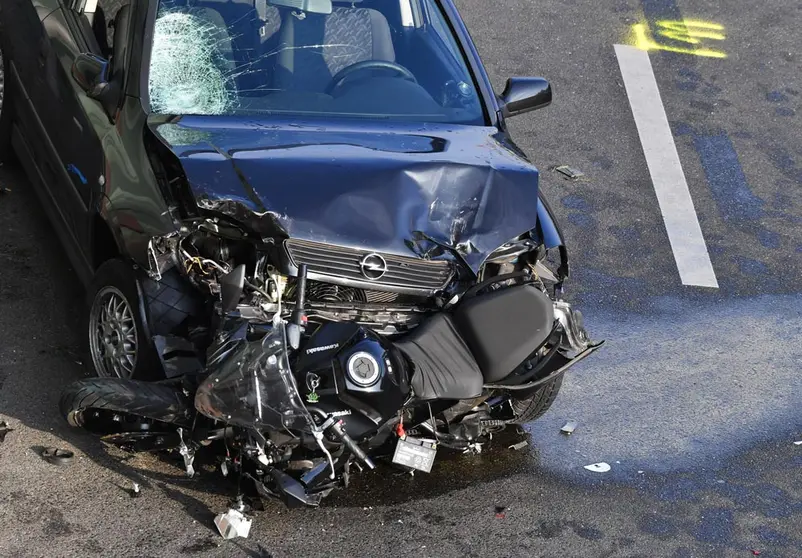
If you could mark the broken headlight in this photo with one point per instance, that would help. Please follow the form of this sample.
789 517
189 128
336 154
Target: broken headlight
509 252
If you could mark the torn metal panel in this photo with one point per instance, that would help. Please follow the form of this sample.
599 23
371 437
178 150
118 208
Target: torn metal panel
387 189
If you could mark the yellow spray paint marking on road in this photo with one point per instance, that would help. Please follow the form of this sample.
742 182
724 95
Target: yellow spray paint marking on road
690 31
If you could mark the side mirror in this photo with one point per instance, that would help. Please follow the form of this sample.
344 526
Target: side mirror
523 94
92 73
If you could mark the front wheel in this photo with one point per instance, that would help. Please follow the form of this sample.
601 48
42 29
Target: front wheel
536 404
114 405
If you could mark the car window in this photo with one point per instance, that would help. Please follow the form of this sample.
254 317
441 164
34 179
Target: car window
354 59
100 15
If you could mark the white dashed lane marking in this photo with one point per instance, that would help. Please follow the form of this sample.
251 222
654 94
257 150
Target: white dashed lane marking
673 195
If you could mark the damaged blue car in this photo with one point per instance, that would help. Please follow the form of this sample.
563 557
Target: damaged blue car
304 218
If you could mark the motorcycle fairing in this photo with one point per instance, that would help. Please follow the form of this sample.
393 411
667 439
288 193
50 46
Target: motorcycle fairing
254 387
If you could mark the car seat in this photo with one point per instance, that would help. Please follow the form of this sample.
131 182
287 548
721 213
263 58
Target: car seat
314 48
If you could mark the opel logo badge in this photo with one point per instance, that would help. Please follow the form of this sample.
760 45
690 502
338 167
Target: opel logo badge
373 266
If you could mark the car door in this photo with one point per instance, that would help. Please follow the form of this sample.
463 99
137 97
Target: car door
76 123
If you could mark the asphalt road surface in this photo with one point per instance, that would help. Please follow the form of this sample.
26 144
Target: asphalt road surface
694 401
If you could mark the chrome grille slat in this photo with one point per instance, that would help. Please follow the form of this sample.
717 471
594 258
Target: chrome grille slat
339 264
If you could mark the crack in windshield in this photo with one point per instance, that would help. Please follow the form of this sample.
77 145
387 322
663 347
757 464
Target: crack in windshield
209 59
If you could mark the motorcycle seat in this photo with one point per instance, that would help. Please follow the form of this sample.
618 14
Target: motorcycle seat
443 366
504 327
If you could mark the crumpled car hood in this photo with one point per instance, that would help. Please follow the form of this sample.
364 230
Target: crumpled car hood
386 189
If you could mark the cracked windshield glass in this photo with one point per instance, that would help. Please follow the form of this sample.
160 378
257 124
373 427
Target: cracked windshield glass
385 59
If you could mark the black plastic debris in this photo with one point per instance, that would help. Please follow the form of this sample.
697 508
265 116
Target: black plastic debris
569 172
4 429
501 512
569 427
57 456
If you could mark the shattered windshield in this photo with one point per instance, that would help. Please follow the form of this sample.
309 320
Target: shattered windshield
388 59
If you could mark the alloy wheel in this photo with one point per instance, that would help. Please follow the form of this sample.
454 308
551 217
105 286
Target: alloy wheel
112 334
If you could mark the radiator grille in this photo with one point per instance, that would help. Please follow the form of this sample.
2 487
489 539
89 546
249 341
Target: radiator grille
338 264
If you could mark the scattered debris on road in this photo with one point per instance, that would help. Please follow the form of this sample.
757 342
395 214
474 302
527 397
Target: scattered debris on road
233 524
58 456
501 512
4 429
135 491
519 446
569 172
598 467
569 427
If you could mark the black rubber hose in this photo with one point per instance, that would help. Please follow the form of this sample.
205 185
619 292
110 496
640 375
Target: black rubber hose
349 442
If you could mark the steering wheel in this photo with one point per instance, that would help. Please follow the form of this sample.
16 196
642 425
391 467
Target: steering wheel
343 74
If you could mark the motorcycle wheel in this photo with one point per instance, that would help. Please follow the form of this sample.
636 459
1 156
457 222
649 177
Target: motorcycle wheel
114 405
536 404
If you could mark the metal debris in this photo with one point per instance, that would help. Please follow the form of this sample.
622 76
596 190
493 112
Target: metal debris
4 429
519 446
57 456
569 427
600 467
233 524
569 172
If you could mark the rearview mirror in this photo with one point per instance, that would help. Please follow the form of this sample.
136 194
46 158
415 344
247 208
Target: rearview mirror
308 6
92 74
523 94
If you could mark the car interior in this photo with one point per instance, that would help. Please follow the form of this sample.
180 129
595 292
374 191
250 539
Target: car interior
357 57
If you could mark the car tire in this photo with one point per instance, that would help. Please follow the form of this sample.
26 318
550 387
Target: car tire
6 112
536 404
118 336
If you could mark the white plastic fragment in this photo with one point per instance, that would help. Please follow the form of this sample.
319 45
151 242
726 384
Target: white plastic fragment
233 524
799 443
598 467
519 446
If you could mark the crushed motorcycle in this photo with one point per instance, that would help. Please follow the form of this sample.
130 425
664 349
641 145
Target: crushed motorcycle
299 399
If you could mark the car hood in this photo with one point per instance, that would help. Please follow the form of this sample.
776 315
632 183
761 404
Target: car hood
391 189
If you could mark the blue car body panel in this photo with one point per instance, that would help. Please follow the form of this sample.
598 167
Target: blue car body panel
387 187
